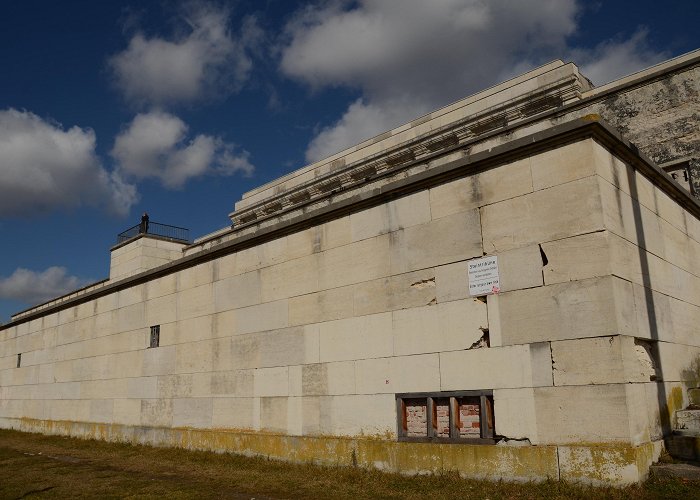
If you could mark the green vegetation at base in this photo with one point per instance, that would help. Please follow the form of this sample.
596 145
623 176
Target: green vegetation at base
35 465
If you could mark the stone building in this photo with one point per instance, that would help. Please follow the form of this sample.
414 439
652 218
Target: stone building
508 287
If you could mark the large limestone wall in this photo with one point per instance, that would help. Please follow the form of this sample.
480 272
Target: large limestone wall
313 333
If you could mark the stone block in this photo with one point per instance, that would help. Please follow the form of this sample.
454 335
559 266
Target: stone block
105 323
310 415
354 263
159 361
398 374
564 414
402 291
497 184
559 212
625 217
644 268
67 334
356 338
334 233
233 413
520 268
187 330
392 216
515 416
237 291
247 259
130 317
161 310
271 382
141 387
37 410
126 411
589 308
289 346
588 361
273 252
195 276
84 310
58 390
224 323
273 414
197 301
175 386
224 267
577 258
452 282
322 379
165 285
564 164
192 412
442 241
679 363
452 326
261 317
493 368
640 427
339 415
194 356
302 243
157 412
541 363
101 389
130 296
124 364
238 383
68 410
321 306
290 278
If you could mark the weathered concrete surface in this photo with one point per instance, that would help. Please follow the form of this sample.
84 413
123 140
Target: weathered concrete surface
660 117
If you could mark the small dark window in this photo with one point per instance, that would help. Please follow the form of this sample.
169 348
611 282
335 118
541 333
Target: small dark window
155 336
455 417
19 359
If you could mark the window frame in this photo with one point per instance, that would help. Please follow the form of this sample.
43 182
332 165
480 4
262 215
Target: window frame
155 335
486 417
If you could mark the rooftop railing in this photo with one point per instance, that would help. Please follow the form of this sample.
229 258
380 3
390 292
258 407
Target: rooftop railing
156 229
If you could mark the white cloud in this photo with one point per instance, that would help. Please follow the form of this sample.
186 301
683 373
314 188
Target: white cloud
411 56
155 145
33 287
202 61
44 166
360 121
613 59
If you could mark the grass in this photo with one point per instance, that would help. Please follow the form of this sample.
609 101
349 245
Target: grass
34 465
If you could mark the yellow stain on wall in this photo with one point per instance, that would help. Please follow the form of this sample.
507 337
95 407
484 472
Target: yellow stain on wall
597 463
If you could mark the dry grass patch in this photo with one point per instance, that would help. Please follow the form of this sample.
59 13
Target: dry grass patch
33 465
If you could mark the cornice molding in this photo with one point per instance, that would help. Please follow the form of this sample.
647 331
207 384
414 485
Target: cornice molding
429 145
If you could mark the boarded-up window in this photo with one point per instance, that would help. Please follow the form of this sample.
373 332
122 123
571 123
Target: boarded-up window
415 417
441 417
469 418
465 416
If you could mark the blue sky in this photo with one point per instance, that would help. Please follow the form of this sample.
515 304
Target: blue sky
110 108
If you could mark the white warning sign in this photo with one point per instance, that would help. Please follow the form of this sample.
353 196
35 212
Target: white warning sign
483 276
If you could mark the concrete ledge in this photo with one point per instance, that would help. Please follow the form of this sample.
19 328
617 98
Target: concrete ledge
616 464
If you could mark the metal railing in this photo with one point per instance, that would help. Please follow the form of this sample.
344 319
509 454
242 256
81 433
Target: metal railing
156 229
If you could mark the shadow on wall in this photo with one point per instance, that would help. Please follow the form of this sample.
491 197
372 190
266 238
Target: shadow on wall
652 316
